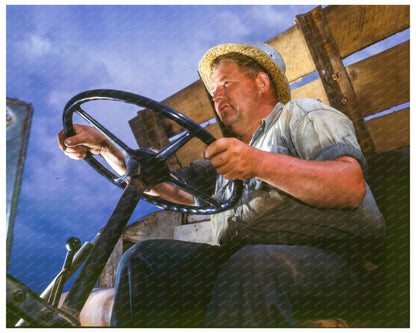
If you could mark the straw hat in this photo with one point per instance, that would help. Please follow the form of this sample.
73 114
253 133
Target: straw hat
264 54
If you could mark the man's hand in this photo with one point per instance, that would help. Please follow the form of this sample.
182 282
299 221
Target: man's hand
88 139
332 183
233 158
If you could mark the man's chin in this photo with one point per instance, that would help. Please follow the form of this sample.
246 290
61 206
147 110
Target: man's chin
228 121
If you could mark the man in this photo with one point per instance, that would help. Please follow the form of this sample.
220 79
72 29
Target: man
302 231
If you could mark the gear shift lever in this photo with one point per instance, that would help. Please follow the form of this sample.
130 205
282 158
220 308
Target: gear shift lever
73 244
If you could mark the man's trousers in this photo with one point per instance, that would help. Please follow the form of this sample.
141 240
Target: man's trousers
169 283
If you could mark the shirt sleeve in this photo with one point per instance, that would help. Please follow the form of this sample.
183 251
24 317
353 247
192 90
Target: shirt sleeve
319 132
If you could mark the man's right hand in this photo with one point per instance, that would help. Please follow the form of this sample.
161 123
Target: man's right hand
88 139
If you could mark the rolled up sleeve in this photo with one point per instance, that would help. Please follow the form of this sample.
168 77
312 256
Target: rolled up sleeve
319 132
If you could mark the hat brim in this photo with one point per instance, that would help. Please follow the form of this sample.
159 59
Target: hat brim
278 78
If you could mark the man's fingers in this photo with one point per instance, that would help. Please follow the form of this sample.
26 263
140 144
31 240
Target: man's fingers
77 153
61 138
224 169
65 142
217 147
220 159
75 140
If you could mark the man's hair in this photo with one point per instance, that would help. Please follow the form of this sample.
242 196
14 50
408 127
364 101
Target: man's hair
247 65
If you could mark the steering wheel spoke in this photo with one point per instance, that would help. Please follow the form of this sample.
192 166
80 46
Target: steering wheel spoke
126 150
196 193
171 149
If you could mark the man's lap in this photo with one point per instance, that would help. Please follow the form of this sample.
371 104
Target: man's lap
183 275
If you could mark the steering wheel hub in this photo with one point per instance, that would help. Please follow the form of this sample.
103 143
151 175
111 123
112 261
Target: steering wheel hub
151 169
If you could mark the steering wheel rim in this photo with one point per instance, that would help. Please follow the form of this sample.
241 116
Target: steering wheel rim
193 130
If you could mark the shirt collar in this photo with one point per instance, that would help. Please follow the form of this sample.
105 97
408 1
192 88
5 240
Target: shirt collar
268 121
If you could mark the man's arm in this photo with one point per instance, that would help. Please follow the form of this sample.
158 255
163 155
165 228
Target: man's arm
335 183
89 139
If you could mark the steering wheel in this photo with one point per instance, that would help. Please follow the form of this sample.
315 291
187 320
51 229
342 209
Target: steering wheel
150 165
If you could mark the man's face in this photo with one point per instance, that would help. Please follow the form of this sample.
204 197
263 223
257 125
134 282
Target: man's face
234 96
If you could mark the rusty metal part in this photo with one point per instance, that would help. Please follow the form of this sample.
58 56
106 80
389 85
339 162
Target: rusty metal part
35 311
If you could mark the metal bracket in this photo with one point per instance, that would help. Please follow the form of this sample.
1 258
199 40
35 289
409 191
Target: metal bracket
35 311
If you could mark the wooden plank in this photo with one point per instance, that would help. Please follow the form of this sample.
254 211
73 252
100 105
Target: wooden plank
108 275
361 26
332 72
193 102
197 232
156 225
355 27
295 52
193 149
383 80
151 131
313 89
391 130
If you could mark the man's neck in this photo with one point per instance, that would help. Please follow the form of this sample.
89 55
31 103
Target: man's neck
245 132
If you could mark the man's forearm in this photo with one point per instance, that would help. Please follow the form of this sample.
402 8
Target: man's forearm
114 158
172 193
336 183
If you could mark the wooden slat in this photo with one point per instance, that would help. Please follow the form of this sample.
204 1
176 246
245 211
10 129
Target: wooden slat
335 80
148 130
382 81
193 149
108 276
355 27
151 130
293 48
391 130
156 225
363 24
313 89
193 102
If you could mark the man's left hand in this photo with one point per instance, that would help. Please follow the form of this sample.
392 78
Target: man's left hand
232 158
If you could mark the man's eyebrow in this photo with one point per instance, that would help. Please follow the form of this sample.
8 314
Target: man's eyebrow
218 80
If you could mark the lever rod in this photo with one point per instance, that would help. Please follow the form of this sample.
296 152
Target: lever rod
102 250
73 244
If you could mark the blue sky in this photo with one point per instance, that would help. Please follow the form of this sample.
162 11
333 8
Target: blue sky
55 52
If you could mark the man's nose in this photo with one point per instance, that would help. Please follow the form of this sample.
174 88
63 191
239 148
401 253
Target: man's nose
217 94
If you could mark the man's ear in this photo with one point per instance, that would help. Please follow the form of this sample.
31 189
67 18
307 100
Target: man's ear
263 82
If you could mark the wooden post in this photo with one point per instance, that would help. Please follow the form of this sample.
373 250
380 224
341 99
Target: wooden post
151 130
332 72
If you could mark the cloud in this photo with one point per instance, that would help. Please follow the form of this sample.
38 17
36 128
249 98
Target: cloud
270 16
228 21
38 46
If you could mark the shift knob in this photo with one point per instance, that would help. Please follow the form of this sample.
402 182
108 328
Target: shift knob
73 244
